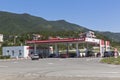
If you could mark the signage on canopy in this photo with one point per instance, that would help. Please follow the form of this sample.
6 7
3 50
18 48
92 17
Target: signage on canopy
92 40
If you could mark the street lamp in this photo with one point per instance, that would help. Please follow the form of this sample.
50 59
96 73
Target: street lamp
15 39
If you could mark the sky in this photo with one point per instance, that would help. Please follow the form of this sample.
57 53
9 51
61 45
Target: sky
100 15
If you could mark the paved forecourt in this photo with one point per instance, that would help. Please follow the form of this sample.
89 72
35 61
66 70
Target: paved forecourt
58 68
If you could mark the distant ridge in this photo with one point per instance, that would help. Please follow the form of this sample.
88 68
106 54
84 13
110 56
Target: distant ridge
20 23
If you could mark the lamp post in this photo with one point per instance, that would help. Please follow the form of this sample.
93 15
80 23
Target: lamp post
15 39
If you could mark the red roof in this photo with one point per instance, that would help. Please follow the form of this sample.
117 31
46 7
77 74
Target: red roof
56 40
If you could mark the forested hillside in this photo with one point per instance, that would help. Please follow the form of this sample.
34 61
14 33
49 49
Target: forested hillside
16 24
12 23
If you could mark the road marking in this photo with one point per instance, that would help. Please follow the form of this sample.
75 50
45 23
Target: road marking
112 65
111 72
3 66
15 62
89 59
61 59
50 63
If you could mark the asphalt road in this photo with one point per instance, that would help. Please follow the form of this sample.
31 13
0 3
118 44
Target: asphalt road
58 69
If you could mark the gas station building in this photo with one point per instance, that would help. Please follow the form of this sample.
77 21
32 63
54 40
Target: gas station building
89 38
54 42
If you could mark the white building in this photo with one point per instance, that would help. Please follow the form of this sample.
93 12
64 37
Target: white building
1 37
90 34
16 51
23 51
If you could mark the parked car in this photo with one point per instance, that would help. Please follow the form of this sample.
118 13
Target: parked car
72 55
90 54
35 57
40 55
52 56
98 54
63 55
108 53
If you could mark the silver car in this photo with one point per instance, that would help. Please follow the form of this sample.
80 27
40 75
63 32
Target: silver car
34 56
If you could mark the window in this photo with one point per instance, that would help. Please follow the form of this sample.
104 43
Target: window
20 53
7 52
13 52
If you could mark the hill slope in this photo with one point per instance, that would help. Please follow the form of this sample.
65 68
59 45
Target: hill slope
12 23
20 23
112 36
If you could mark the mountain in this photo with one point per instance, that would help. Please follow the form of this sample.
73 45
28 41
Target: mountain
112 36
12 23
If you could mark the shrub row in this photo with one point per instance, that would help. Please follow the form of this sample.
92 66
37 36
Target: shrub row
111 60
4 57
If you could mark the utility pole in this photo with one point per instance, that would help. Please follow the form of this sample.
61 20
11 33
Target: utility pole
15 37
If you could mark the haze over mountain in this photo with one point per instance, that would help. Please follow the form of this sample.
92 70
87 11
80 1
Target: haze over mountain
12 23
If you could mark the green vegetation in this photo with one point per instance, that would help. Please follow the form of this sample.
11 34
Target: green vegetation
115 37
24 26
17 24
111 60
11 23
12 40
4 57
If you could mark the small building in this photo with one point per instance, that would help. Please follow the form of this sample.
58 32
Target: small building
1 39
90 34
16 51
24 51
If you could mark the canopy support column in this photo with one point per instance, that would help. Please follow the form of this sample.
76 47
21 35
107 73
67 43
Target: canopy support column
77 51
56 50
35 47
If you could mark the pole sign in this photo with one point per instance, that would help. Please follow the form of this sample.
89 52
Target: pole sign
115 53
102 48
107 45
92 40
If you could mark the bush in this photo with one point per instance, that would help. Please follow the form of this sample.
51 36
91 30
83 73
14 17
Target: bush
4 57
111 60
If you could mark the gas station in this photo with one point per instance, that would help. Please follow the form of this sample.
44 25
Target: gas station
88 37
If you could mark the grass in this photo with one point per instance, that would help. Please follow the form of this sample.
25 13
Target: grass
111 60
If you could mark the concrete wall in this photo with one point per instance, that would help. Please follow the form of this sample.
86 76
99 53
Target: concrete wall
16 51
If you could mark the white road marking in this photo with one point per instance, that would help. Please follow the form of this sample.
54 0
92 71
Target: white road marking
89 59
112 65
15 62
50 63
61 59
3 66
111 72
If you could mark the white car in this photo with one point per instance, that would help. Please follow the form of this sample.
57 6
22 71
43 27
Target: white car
34 56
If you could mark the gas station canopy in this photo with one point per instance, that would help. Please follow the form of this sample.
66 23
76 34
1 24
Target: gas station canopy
57 40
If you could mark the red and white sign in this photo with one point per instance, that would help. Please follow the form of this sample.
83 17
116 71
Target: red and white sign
93 40
102 47
115 53
107 45
102 43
